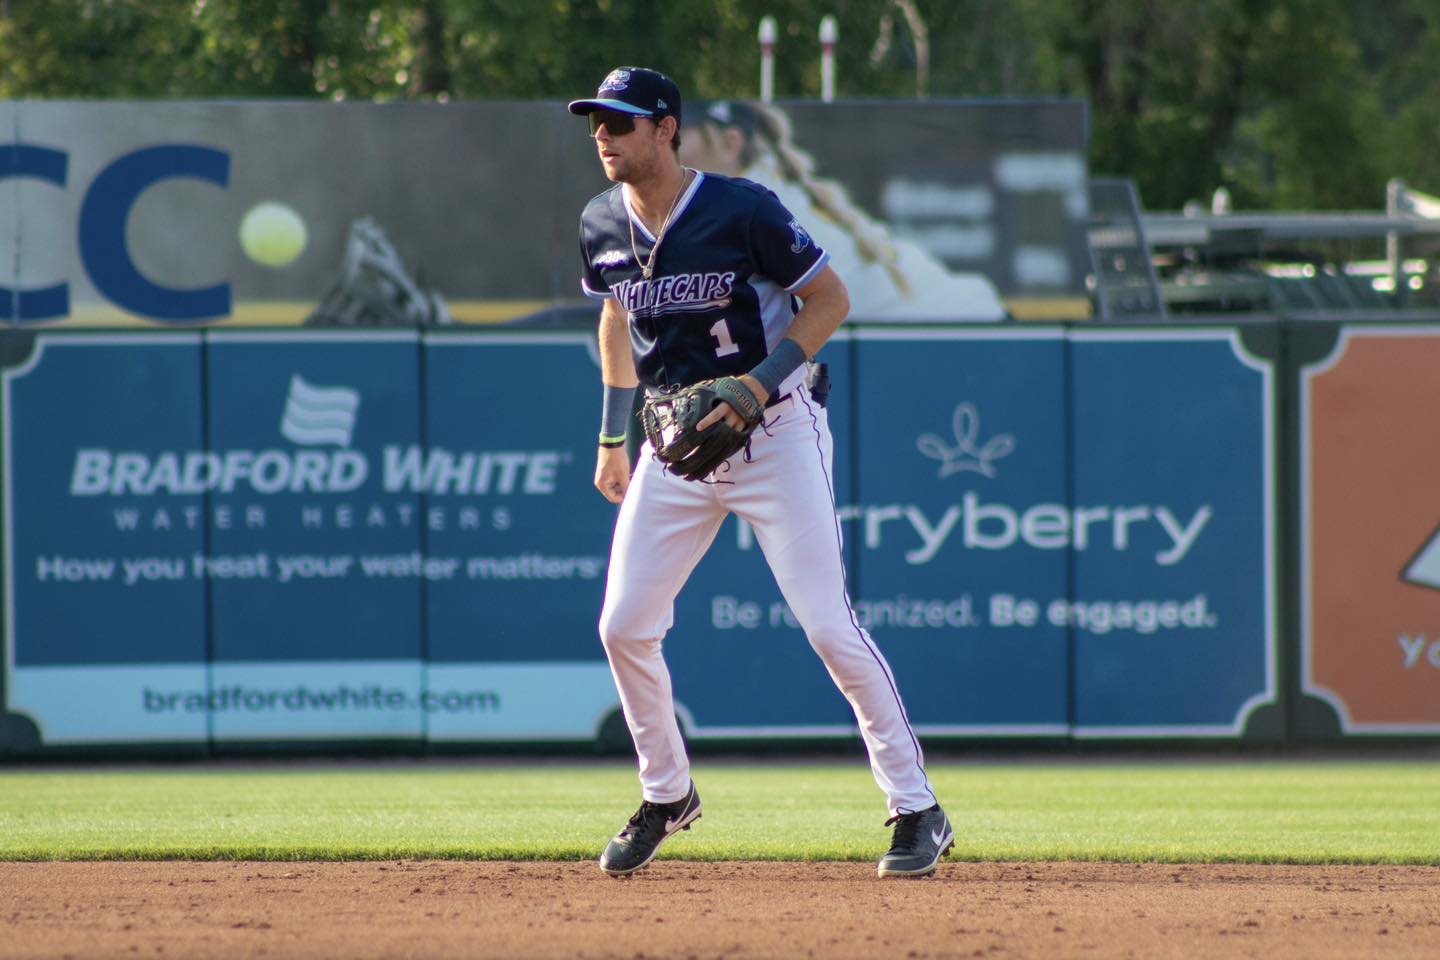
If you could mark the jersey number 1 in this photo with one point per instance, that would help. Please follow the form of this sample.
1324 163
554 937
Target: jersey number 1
721 332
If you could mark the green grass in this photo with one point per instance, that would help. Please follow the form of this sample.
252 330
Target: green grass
1282 812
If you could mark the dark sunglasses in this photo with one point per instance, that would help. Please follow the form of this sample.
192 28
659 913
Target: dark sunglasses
616 122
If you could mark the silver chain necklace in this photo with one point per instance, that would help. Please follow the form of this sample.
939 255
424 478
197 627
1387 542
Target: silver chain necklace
647 267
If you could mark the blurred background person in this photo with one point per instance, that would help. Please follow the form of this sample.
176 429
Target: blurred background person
888 278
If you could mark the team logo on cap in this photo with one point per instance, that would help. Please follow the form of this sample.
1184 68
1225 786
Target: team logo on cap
802 239
618 80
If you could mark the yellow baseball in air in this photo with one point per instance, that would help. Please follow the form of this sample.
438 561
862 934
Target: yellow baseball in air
272 234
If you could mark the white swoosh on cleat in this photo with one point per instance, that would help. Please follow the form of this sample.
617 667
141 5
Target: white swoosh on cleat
937 838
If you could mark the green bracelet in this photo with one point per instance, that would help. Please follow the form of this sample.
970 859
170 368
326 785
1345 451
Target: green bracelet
611 441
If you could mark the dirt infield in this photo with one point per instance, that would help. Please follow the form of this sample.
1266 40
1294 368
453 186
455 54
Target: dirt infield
682 909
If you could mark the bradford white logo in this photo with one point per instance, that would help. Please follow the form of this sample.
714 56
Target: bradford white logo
314 417
318 415
802 239
1424 569
617 80
967 453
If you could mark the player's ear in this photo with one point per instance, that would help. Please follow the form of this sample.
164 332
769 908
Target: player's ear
669 129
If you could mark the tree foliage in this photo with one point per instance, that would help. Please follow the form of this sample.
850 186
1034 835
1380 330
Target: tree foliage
1286 103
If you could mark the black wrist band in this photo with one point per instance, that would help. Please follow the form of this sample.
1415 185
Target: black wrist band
615 414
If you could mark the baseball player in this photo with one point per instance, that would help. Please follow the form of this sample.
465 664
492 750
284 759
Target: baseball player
700 276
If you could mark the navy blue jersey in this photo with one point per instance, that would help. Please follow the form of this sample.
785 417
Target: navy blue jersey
721 295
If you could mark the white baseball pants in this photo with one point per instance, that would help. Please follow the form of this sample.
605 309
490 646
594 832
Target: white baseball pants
665 526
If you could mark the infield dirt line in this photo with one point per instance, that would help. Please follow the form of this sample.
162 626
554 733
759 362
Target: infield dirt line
687 909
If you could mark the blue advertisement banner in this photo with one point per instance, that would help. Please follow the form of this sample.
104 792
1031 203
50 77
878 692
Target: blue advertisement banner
1079 537
268 536
1173 600
515 521
949 447
309 520
517 539
962 507
311 508
101 548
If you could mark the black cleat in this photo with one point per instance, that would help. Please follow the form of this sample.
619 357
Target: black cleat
637 844
921 839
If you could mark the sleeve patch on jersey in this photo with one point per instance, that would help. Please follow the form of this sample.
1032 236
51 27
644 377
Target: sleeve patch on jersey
802 239
611 258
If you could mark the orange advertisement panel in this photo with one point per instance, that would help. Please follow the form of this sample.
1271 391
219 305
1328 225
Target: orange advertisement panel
1370 462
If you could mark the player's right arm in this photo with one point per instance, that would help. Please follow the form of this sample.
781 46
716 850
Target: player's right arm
617 369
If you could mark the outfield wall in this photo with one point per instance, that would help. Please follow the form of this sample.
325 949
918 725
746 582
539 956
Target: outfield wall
249 538
233 519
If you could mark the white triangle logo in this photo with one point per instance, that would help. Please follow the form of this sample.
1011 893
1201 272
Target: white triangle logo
1424 569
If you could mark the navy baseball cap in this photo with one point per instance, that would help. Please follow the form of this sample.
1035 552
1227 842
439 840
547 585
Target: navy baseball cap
637 91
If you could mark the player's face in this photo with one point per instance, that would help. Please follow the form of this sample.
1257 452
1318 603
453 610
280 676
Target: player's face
630 151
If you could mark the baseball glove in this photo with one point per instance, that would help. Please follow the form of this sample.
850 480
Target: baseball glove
670 421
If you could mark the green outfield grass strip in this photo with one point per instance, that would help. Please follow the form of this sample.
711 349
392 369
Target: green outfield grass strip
1249 812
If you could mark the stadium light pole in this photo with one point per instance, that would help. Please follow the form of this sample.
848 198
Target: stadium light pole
768 32
829 34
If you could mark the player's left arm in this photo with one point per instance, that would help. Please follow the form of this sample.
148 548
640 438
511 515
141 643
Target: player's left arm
825 303
824 306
